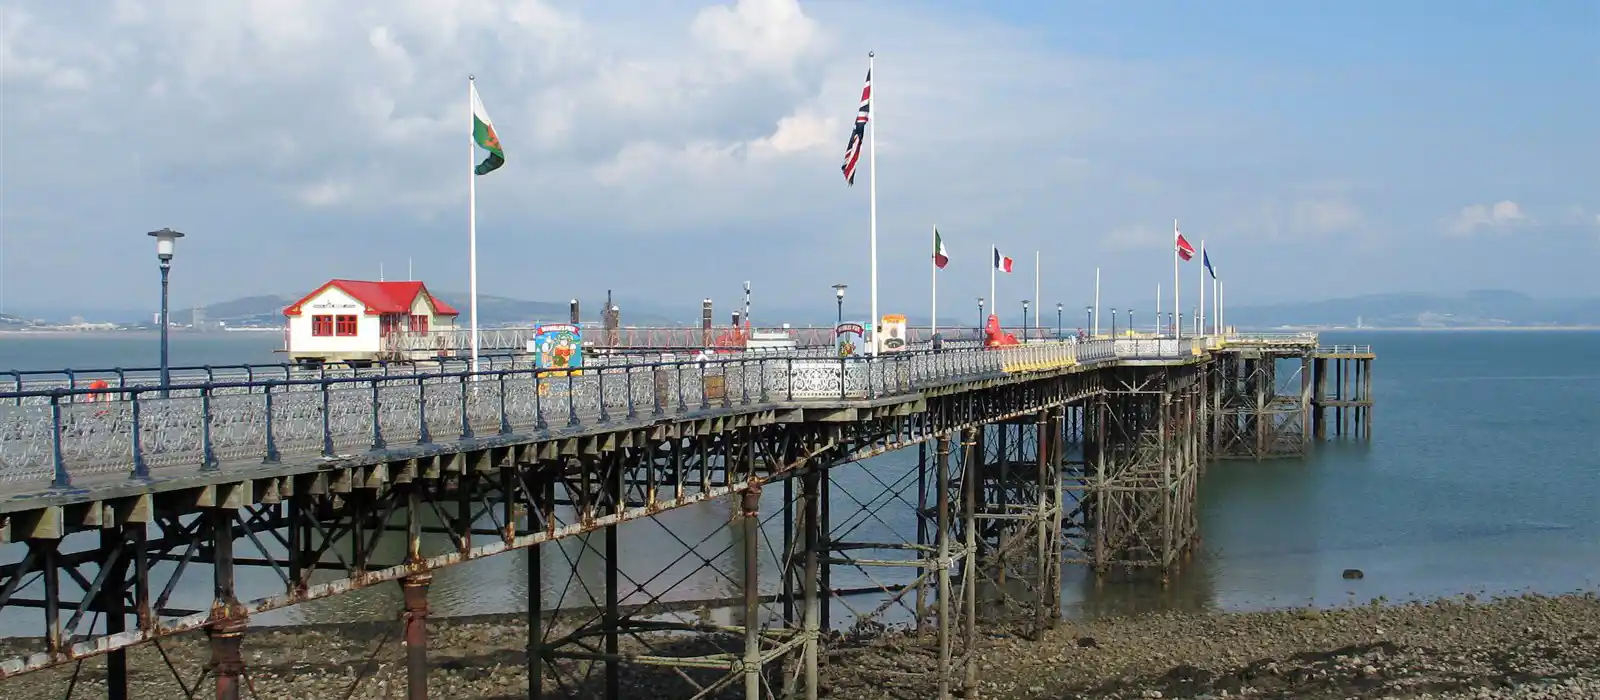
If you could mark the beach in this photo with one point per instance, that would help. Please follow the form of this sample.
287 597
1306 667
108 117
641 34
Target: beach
1545 647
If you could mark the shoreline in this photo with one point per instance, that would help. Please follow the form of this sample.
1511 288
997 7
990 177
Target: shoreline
1527 646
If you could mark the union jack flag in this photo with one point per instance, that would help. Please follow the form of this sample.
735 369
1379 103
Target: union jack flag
852 150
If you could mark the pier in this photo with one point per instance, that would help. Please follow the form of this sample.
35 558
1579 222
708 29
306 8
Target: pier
118 502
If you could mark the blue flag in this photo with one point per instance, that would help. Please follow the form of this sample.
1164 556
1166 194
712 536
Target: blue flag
1206 259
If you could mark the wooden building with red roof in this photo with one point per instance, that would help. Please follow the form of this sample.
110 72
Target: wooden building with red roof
357 320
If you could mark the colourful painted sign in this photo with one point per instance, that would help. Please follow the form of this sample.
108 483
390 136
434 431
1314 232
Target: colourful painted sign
557 346
893 327
846 336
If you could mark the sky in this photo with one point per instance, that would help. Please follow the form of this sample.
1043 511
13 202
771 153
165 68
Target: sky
671 150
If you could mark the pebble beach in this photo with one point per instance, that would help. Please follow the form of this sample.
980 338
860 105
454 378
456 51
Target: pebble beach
1529 647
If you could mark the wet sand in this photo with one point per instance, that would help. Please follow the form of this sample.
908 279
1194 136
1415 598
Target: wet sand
1525 647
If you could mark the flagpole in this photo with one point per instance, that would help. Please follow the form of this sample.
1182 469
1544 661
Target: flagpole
1216 306
872 194
1200 316
1036 302
472 227
994 260
1158 309
1094 329
1177 327
933 323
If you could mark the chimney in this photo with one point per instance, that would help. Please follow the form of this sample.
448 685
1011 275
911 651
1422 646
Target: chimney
574 312
705 322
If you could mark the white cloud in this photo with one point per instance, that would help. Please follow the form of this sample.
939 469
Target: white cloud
1498 216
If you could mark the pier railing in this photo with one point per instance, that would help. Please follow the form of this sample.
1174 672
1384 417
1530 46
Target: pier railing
60 434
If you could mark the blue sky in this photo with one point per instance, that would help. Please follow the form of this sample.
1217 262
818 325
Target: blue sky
670 150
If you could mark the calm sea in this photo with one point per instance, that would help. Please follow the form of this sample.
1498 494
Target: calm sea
1483 476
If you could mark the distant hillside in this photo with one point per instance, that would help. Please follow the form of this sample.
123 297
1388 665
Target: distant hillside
267 310
1481 308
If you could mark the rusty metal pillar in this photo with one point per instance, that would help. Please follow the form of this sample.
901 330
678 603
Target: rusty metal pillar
414 589
942 538
969 576
115 551
812 510
750 510
228 621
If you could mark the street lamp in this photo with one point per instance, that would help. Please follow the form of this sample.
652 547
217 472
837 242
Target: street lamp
838 297
1024 320
1059 307
1088 319
981 319
165 239
1113 323
1131 328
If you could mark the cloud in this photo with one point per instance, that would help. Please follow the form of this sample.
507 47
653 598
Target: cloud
1499 216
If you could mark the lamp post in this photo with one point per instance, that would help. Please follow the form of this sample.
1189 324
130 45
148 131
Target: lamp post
1113 323
165 239
981 319
1131 327
1172 323
1059 307
1088 319
838 298
1024 320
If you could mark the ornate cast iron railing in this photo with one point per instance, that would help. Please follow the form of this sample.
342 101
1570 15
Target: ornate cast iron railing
59 434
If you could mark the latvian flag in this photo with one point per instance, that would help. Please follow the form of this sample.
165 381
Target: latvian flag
1001 262
1185 250
852 150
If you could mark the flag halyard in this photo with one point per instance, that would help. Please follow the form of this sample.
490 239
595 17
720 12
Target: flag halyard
484 135
858 135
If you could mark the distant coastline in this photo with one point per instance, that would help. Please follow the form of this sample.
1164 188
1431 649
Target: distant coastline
1427 329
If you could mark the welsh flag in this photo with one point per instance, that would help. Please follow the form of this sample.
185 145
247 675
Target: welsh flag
483 133
941 257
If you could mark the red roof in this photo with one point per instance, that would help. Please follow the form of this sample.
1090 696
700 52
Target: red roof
379 297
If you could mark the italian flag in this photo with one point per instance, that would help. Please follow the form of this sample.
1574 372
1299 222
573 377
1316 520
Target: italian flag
941 257
483 133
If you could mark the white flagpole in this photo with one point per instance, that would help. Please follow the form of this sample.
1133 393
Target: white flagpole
472 226
1200 314
1095 329
1177 326
872 186
933 323
1036 302
994 253
1158 309
1216 308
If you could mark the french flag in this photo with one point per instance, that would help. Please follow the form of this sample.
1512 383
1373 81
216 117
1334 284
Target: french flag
1001 262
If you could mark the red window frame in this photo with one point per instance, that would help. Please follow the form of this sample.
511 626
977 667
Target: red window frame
419 323
345 325
322 325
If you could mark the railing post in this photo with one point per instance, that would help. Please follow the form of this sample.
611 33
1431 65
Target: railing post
789 376
761 367
627 385
423 437
600 394
377 419
140 469
272 441
538 401
744 381
505 415
62 479
466 416
327 420
208 459
572 401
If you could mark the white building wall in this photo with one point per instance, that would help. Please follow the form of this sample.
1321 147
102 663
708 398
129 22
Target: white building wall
334 302
421 307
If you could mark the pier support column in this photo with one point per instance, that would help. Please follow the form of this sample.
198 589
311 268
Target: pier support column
973 446
414 594
942 553
750 511
226 631
811 492
414 589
